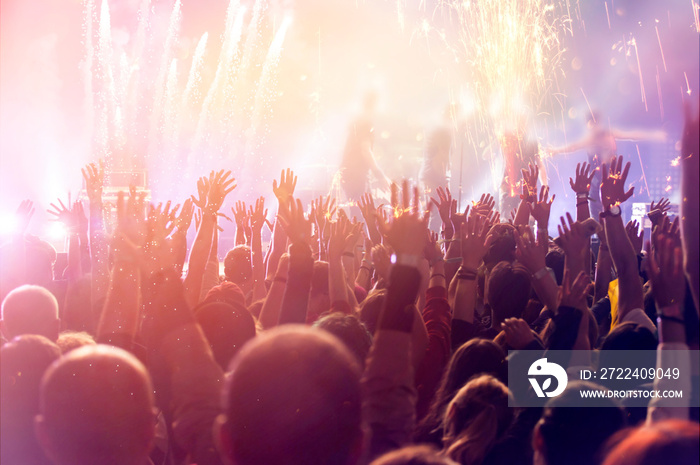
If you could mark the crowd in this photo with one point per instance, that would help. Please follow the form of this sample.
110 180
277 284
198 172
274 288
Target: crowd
347 341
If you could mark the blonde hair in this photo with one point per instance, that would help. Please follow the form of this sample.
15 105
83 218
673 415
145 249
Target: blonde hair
476 417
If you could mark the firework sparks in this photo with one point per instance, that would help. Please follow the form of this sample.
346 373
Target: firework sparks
663 58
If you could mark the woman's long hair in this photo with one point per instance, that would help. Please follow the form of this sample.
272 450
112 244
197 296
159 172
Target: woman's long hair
475 419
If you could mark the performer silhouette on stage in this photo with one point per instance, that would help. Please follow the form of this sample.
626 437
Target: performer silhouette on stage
601 145
358 155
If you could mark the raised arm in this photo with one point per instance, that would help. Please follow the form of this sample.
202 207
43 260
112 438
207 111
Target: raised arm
93 175
690 216
582 187
257 220
283 191
613 194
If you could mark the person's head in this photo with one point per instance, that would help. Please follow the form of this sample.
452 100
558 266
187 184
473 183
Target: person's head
350 330
30 309
293 397
567 435
96 406
476 417
508 291
502 246
24 361
571 329
654 443
237 267
226 327
421 454
629 336
71 340
371 307
555 260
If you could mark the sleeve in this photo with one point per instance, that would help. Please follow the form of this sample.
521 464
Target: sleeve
638 316
437 317
671 355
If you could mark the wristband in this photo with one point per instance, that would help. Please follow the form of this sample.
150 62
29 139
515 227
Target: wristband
436 260
541 273
405 259
544 231
437 274
670 312
279 279
363 267
453 260
582 195
660 318
582 202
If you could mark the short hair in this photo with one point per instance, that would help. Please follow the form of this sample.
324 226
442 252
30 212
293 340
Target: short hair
226 327
24 361
237 266
30 309
654 443
96 406
421 454
502 247
71 340
350 330
575 435
508 290
629 336
476 418
293 396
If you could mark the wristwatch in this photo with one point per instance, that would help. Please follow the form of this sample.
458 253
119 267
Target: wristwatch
613 211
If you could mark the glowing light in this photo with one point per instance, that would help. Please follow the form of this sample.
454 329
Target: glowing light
676 161
8 225
56 231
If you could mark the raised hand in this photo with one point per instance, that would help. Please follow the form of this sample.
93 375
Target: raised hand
220 185
381 257
636 236
541 208
184 219
446 206
612 187
367 208
529 254
408 231
130 230
64 215
572 238
475 241
574 294
433 251
286 186
517 332
530 179
343 237
484 206
666 268
295 223
93 174
258 215
24 214
202 192
240 215
584 176
321 213
658 211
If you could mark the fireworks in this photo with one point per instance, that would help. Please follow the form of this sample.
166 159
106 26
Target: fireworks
513 53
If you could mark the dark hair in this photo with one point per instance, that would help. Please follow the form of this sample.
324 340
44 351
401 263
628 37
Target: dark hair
473 358
575 435
629 336
371 307
555 260
293 397
227 329
502 247
508 291
350 330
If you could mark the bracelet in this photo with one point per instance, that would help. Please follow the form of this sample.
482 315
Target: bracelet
582 195
437 274
279 279
368 262
466 277
453 260
349 254
582 202
437 259
660 317
363 267
544 231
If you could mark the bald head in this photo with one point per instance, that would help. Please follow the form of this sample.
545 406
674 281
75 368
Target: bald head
96 406
293 397
30 310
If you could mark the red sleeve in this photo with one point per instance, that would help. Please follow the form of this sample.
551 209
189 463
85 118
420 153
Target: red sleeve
437 316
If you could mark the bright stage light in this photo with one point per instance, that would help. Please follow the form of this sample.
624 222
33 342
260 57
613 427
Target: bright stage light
8 225
56 231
